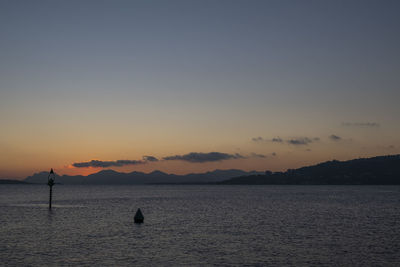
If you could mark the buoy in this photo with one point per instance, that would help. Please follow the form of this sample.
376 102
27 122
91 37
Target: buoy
138 216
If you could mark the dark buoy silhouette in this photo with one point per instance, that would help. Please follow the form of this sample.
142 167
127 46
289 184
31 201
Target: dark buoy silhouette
138 216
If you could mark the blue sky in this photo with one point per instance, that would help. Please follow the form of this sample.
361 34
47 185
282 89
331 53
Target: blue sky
112 80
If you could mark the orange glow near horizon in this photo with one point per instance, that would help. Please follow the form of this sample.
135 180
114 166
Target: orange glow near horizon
287 156
281 162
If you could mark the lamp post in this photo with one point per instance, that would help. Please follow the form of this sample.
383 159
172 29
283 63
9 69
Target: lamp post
50 182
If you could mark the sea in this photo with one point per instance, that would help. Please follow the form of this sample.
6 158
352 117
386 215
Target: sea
200 225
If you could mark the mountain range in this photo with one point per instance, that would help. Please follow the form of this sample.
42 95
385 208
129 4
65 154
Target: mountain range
382 170
155 177
363 171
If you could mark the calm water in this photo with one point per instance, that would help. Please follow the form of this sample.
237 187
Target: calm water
201 225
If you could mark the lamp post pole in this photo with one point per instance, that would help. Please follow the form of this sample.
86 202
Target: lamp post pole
50 183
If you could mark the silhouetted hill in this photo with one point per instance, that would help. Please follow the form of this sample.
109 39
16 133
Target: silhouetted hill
366 171
155 177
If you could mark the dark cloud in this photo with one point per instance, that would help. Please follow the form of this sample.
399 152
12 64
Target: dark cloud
294 141
257 139
150 158
260 139
277 140
255 155
361 124
197 157
105 164
113 163
302 141
334 137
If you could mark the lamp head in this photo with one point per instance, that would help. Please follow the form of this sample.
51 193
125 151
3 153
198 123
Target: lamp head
51 178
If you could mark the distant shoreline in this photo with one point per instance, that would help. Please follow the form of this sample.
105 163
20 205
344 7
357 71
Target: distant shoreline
10 181
381 170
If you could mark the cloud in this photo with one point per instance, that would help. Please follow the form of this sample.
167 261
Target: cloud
294 141
277 140
113 163
150 158
260 139
255 155
105 164
302 141
335 137
257 139
196 157
361 124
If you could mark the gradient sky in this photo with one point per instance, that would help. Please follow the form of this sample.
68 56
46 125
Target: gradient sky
118 80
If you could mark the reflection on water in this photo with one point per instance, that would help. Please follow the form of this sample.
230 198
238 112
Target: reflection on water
200 225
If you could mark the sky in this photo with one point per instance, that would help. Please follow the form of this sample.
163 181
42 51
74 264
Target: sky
193 86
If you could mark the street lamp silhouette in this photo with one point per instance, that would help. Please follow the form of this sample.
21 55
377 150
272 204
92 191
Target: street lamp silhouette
50 182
